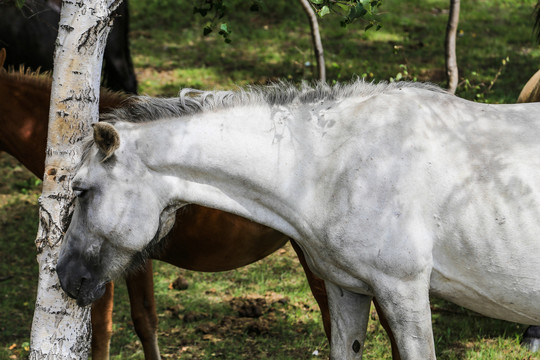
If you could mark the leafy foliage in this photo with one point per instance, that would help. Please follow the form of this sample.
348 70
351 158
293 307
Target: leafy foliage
351 11
216 10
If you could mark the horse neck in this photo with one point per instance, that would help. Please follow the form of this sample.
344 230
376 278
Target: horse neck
235 160
24 116
24 109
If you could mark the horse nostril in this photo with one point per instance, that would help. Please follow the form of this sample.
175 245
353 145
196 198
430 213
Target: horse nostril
72 275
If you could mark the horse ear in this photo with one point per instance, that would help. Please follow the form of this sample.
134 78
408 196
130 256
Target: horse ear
106 138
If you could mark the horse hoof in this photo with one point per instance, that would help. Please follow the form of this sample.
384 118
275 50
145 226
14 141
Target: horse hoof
531 338
531 343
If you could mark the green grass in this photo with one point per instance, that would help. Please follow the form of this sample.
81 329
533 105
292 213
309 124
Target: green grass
169 53
19 191
275 44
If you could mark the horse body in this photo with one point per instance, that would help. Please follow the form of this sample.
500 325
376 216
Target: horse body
432 193
369 185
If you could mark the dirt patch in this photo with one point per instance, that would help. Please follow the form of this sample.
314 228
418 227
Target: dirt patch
254 306
253 315
230 325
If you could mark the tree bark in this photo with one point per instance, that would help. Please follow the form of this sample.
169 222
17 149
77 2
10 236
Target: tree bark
316 39
450 46
61 329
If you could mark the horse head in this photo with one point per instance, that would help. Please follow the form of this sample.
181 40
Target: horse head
119 216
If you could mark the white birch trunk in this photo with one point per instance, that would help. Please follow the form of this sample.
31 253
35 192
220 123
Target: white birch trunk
61 329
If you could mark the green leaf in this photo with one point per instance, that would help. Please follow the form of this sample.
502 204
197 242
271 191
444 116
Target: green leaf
324 11
366 4
355 12
317 2
343 7
224 28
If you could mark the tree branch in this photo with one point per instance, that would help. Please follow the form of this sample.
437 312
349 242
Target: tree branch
316 39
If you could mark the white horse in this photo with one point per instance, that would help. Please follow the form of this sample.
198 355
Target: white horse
392 190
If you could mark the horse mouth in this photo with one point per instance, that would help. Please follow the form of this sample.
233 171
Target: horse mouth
79 281
85 293
88 294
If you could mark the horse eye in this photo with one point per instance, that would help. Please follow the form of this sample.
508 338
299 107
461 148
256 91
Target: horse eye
79 192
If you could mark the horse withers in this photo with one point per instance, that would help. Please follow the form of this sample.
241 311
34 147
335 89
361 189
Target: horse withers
392 191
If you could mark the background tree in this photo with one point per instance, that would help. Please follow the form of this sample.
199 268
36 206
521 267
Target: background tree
61 329
315 39
450 46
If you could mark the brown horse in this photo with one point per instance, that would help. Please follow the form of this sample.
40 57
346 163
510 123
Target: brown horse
202 239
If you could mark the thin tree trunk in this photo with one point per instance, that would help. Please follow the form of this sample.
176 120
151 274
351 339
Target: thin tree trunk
450 46
61 329
316 39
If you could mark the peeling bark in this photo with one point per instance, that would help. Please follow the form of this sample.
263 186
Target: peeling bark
61 329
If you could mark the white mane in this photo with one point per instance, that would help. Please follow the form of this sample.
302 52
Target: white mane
191 101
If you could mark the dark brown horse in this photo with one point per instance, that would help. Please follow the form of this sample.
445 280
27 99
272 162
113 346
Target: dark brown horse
29 35
202 239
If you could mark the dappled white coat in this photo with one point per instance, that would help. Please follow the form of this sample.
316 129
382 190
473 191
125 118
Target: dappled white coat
393 194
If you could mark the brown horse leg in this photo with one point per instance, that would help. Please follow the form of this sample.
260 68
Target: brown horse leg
102 324
140 287
317 289
319 292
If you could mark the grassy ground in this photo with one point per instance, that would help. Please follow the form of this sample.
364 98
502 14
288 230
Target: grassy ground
204 321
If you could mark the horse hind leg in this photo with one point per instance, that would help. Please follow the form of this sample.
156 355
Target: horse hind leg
316 284
349 314
531 338
140 287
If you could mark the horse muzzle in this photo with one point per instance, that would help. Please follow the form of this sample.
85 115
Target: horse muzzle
78 281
